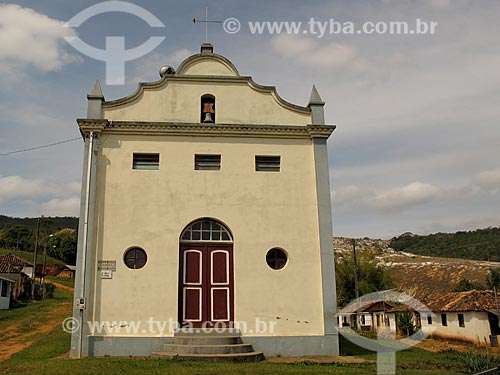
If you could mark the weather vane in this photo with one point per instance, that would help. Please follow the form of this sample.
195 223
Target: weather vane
206 21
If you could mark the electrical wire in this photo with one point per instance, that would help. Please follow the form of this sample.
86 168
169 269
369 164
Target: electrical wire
39 147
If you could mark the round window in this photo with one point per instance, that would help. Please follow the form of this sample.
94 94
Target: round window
135 258
276 258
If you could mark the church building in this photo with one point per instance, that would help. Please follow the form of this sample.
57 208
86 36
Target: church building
205 205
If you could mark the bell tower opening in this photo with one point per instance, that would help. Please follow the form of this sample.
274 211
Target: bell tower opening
207 108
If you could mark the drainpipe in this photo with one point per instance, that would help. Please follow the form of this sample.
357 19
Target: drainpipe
81 302
79 338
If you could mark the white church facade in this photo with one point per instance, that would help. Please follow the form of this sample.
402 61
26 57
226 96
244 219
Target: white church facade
205 202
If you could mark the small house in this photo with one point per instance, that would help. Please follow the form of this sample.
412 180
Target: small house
67 272
468 316
19 271
371 315
5 292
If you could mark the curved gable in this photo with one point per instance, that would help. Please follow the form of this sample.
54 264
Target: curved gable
207 65
176 97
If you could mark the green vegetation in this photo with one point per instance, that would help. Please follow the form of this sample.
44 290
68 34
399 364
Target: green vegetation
53 223
465 285
32 314
371 277
475 361
404 322
42 358
28 256
18 236
480 244
48 353
62 245
493 279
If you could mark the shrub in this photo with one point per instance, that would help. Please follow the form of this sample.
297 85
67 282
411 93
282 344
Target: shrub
49 290
478 362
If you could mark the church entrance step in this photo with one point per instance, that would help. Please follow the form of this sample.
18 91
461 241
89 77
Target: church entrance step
239 357
209 345
208 349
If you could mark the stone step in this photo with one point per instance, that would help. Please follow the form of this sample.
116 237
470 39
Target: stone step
208 349
207 340
207 332
238 357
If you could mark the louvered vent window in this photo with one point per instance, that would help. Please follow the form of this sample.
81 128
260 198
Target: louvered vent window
146 161
267 163
207 162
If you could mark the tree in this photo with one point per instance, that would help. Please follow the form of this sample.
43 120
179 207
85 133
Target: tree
16 237
371 277
62 245
405 323
493 279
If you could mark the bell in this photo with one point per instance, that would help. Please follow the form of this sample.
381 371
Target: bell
208 117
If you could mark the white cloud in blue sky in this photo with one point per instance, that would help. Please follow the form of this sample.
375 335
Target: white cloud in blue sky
417 146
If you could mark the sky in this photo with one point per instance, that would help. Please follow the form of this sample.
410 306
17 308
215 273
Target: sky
417 144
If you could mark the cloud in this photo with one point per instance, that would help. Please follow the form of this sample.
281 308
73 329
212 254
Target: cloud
396 199
489 180
413 194
147 69
32 39
61 207
17 187
439 3
310 52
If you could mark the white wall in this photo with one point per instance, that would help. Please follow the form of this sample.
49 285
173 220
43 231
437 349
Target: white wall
476 326
263 210
5 301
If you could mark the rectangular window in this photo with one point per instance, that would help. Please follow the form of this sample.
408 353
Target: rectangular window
429 319
267 163
444 320
5 284
207 162
146 161
461 320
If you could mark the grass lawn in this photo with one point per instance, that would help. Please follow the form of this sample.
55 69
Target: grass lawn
48 353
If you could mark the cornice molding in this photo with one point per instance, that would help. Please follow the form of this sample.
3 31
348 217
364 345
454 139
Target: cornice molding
205 130
210 79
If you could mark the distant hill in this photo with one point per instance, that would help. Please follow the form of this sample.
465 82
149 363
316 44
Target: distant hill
421 276
480 244
51 223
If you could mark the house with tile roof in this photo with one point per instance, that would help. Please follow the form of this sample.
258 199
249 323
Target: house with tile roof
17 270
469 316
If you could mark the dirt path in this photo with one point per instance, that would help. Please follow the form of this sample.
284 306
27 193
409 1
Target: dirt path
20 333
61 286
437 345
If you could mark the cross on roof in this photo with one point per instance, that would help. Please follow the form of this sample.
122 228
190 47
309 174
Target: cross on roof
206 21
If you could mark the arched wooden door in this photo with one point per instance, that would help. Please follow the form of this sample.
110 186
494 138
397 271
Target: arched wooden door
206 275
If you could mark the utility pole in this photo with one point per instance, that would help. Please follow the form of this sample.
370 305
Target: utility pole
34 259
496 303
43 264
356 289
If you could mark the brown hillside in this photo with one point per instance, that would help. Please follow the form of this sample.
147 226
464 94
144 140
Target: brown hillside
421 275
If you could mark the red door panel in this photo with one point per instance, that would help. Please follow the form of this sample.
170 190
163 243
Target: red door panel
220 267
206 284
192 307
193 270
220 304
